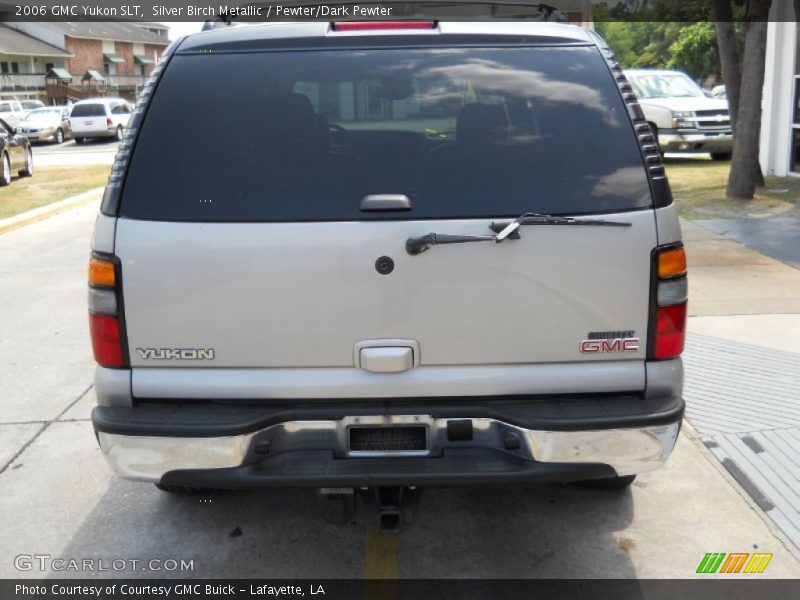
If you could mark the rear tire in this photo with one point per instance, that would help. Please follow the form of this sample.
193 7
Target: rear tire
59 137
608 483
120 133
5 173
28 170
720 156
79 140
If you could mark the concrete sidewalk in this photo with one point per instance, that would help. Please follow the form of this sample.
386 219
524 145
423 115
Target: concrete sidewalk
727 278
742 365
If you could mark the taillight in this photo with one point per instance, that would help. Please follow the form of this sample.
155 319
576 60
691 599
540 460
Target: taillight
105 327
668 320
106 340
381 25
109 122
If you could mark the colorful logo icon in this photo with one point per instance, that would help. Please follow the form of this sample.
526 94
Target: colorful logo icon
735 562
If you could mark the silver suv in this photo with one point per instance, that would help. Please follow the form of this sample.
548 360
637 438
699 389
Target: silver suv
387 255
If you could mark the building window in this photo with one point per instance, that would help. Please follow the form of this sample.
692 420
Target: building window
15 67
106 69
49 66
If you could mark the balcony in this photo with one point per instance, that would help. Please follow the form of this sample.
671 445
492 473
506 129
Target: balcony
35 82
124 81
21 82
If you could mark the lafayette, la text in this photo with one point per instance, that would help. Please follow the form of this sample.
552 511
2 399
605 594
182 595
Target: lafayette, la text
170 591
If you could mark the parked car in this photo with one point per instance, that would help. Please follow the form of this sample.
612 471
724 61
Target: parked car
413 258
29 105
46 125
681 115
100 118
11 112
16 154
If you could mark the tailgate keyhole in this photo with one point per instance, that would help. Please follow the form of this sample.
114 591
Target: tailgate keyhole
384 265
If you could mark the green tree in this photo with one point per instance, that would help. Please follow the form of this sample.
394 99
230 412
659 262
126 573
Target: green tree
690 47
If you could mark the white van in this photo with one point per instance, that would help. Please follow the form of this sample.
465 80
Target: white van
100 118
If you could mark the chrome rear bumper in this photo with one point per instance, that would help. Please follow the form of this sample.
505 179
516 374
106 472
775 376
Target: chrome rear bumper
625 450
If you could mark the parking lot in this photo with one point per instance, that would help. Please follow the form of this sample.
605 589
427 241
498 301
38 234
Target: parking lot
70 153
60 498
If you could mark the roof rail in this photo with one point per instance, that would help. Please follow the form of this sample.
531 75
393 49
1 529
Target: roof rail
547 11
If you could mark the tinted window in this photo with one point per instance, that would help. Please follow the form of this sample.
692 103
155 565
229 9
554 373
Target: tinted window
462 132
89 110
5 107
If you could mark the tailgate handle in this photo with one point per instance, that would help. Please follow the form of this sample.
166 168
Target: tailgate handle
388 359
375 202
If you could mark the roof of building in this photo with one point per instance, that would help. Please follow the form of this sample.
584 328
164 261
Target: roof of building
117 31
58 74
92 75
16 42
153 25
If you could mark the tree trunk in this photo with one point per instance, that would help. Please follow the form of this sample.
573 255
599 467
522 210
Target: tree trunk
746 173
729 55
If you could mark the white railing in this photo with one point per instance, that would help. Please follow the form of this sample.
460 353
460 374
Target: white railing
124 80
20 82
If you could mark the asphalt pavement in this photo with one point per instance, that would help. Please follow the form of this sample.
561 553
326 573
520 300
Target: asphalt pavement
60 498
91 152
776 235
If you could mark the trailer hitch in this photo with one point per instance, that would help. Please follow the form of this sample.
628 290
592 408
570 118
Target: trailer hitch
397 506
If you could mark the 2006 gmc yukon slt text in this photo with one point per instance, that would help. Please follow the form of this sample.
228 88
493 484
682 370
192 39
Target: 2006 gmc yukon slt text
382 258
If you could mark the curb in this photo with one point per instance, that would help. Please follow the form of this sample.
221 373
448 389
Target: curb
48 210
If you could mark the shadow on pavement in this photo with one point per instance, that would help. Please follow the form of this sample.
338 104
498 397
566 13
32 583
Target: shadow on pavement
550 531
777 236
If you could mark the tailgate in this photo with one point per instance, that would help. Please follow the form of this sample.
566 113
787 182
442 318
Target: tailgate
303 294
88 124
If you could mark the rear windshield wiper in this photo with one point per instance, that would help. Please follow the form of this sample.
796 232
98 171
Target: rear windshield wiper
503 231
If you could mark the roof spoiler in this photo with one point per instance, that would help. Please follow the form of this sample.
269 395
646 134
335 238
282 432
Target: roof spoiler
547 11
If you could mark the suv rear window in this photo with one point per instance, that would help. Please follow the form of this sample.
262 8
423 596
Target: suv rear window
463 132
89 110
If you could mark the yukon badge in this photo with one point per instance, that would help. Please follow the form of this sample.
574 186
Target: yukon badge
176 353
610 341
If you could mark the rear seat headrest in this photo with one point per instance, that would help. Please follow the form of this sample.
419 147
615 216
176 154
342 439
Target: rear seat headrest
480 124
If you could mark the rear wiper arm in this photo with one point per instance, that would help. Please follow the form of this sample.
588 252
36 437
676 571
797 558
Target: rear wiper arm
417 245
506 230
503 231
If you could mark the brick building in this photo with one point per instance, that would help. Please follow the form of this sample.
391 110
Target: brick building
124 53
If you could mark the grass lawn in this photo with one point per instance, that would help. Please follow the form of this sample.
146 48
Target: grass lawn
49 184
698 186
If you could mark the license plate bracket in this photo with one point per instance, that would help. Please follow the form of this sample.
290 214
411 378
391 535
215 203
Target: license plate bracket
388 439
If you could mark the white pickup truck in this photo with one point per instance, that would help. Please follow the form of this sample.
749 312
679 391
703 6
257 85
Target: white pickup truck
680 114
